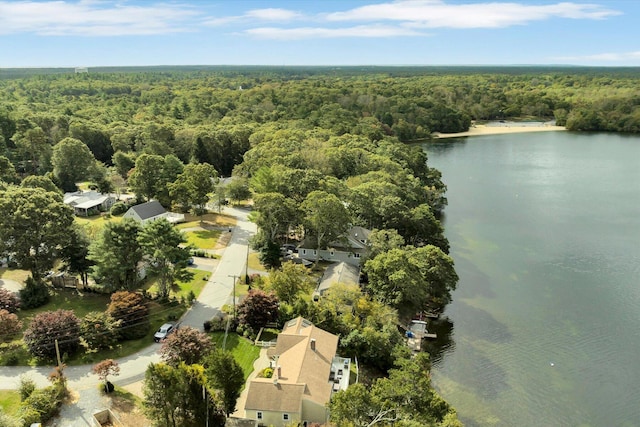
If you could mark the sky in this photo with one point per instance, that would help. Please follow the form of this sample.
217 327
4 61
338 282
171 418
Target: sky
74 33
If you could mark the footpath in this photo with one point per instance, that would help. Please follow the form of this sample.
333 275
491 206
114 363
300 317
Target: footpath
217 292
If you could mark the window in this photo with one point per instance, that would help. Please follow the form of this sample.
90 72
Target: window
285 417
259 415
357 255
331 253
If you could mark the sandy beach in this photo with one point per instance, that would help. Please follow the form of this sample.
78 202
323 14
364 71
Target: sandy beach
502 128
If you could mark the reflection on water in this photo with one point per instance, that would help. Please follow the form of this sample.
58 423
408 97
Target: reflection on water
544 230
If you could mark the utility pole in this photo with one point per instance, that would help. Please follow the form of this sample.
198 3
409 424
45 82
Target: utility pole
58 353
234 292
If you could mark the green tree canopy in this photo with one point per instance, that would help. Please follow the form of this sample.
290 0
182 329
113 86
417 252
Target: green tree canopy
117 253
34 225
71 162
162 244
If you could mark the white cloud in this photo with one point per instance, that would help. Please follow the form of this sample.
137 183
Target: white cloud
438 14
320 32
269 14
92 18
604 57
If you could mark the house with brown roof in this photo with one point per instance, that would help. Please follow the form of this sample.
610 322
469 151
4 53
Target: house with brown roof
306 372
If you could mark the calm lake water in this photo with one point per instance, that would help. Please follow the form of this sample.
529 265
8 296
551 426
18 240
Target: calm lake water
544 329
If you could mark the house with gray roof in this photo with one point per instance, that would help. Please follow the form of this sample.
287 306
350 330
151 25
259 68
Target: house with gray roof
151 211
340 272
85 203
350 248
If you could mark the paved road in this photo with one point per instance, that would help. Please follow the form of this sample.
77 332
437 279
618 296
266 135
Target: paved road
216 293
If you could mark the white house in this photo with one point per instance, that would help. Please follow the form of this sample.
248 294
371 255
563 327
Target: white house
340 272
306 372
85 203
351 248
151 211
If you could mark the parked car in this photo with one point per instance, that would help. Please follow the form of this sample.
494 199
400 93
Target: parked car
164 331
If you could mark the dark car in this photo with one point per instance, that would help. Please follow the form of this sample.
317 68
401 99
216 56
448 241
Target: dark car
164 331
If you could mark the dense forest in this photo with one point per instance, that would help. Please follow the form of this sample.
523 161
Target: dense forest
319 150
164 111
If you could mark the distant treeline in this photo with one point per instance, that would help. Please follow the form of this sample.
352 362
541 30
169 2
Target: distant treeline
165 110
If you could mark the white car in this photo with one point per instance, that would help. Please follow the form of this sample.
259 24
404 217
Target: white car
164 331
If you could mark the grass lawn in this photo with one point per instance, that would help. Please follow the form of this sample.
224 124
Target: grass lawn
14 274
196 284
242 349
81 305
254 262
68 300
203 239
9 401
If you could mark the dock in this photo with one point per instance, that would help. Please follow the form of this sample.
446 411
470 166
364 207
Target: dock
416 333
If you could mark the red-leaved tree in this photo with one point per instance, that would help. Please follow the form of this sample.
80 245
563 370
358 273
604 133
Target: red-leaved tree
187 345
9 301
9 325
49 326
258 309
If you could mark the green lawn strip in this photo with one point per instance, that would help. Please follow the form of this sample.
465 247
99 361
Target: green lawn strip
254 262
9 401
158 314
241 348
202 239
196 284
14 274
68 300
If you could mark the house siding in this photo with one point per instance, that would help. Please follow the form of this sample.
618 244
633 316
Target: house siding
314 412
270 418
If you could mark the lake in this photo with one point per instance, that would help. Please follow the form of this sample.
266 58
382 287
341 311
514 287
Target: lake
544 328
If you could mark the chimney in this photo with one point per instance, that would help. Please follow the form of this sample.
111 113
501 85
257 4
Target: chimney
313 344
279 371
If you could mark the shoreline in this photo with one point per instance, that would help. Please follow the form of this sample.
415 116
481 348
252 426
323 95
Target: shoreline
479 130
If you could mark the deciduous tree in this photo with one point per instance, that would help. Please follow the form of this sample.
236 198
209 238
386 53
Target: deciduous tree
187 345
225 375
71 162
9 301
9 325
49 326
257 309
99 330
34 225
130 309
326 218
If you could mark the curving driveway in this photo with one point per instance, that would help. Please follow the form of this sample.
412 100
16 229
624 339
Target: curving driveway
216 293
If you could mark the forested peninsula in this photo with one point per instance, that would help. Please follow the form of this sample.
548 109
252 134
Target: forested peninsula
318 151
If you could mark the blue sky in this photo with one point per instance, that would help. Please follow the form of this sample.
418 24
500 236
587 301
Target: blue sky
68 33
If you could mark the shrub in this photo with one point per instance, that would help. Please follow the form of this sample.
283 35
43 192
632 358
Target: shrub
207 325
9 325
99 330
186 345
27 386
34 294
131 310
11 353
118 208
218 323
49 326
43 403
8 421
8 301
